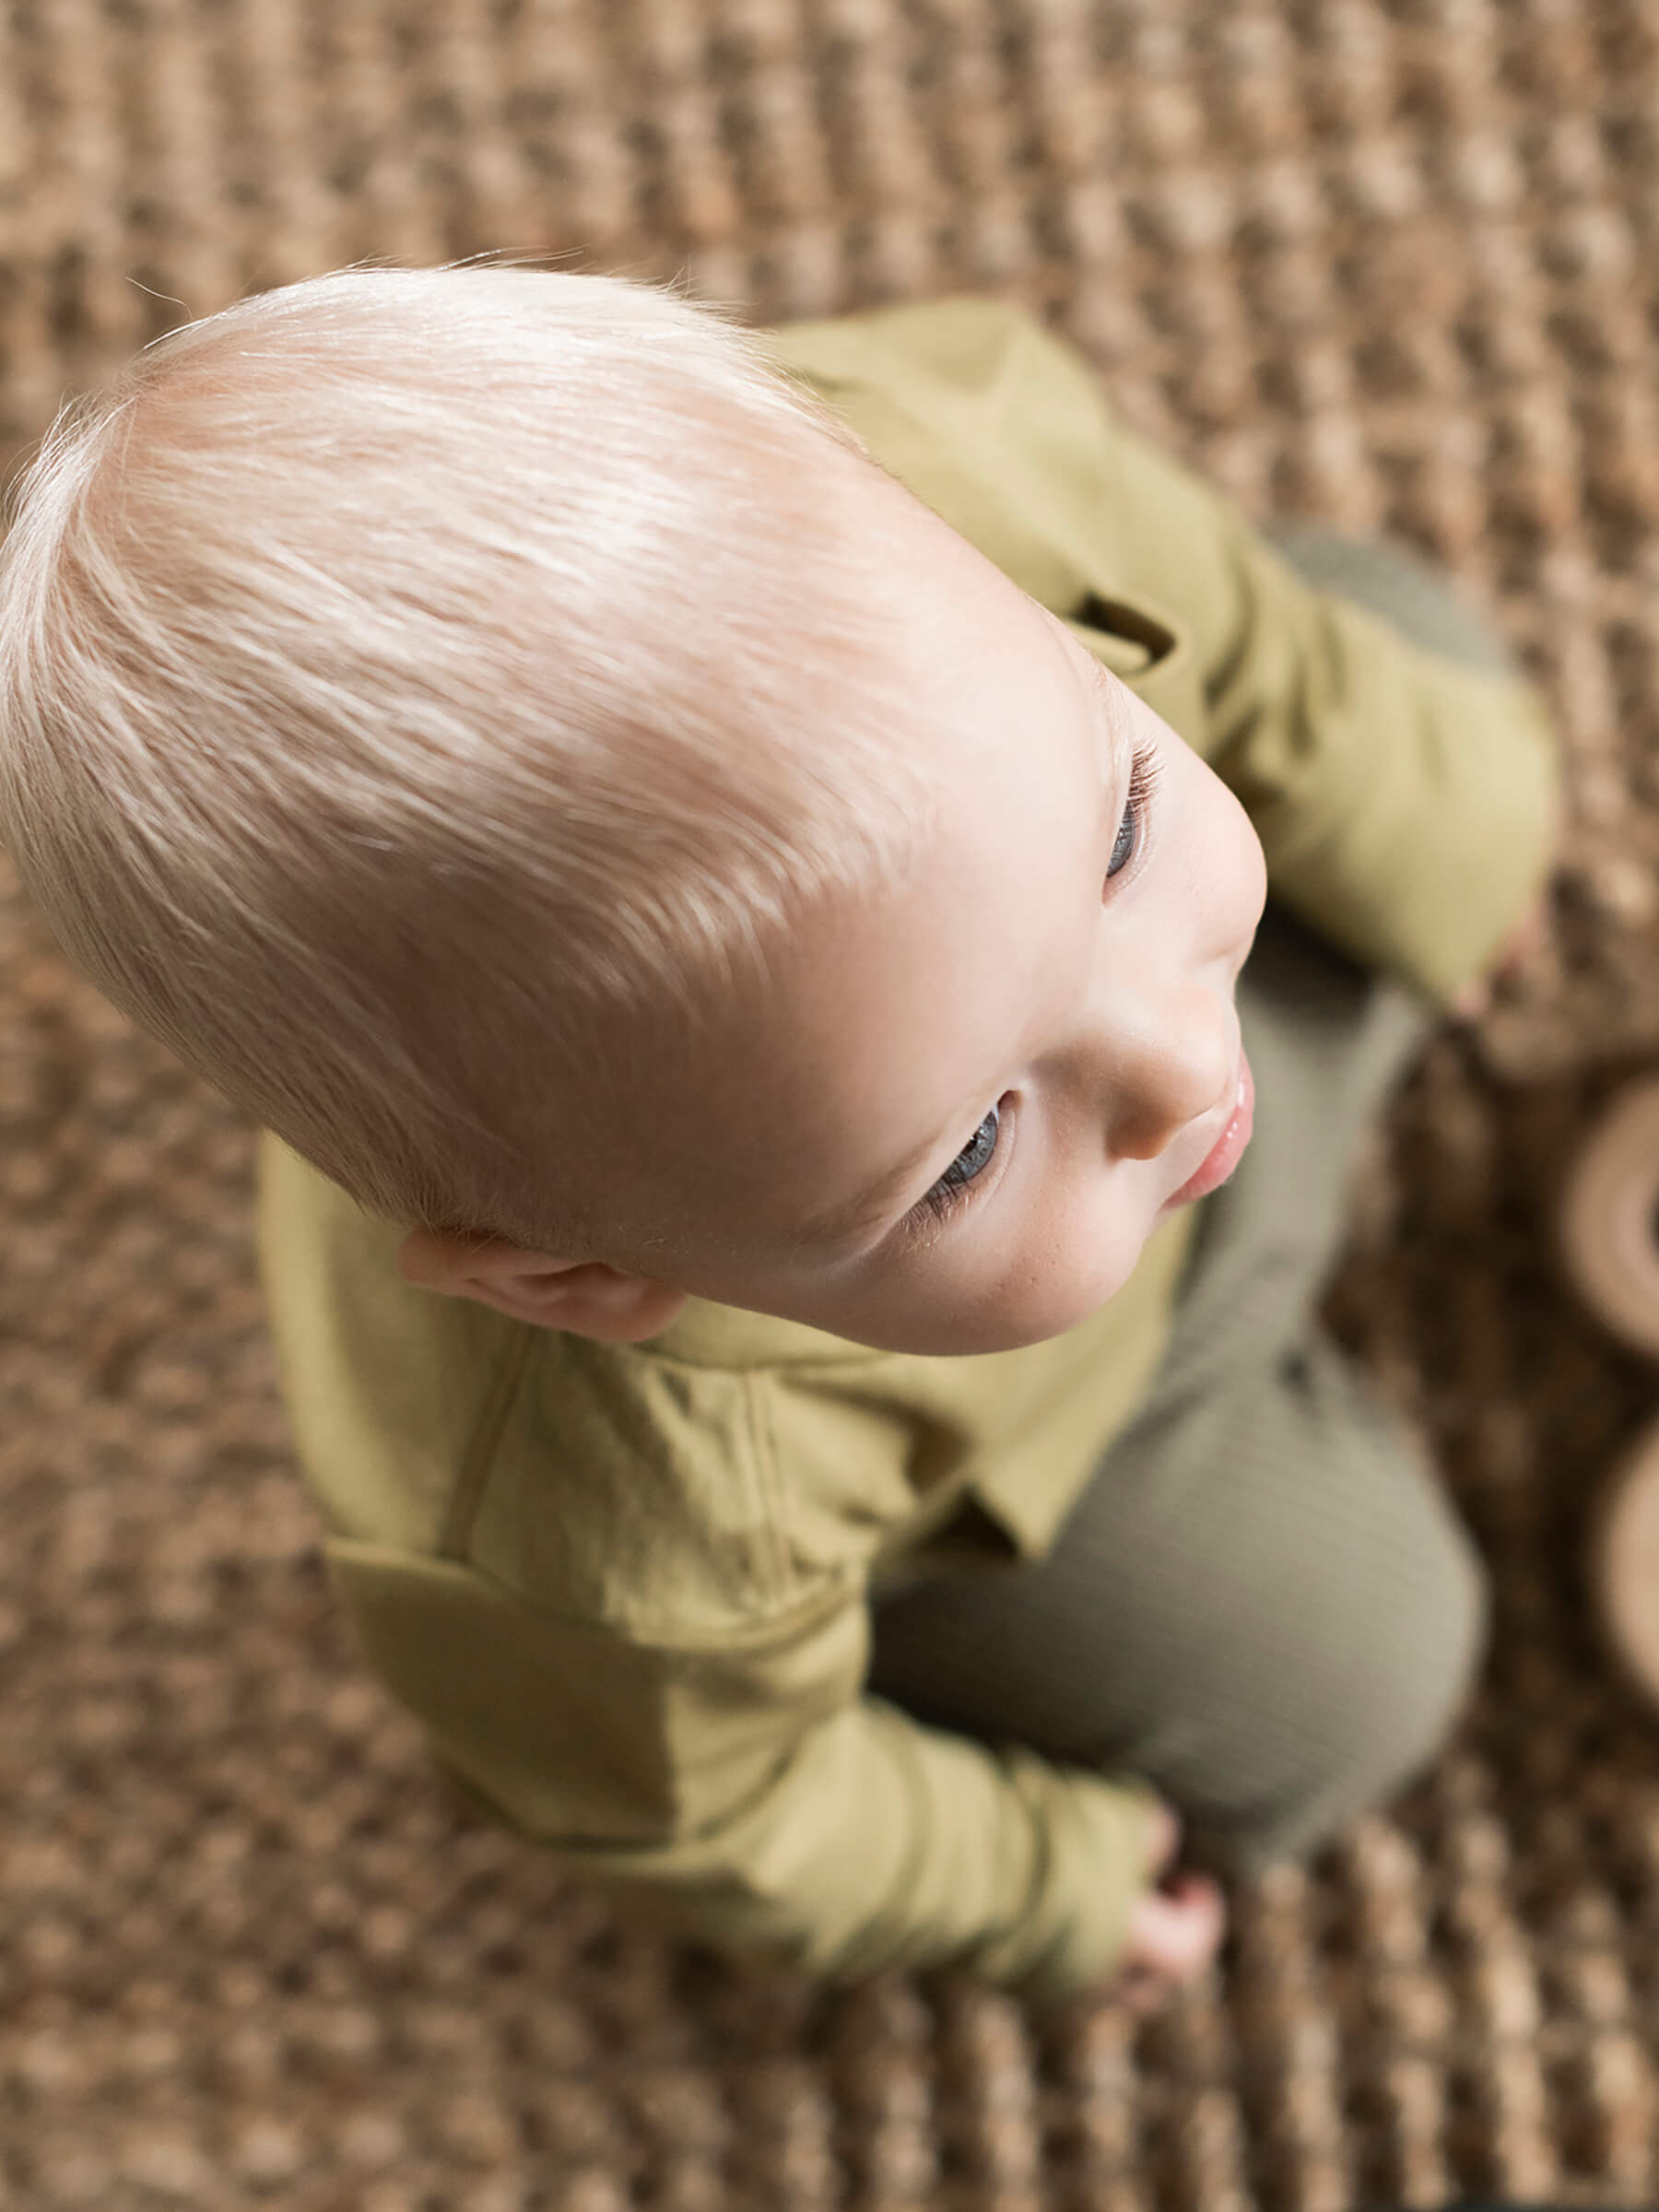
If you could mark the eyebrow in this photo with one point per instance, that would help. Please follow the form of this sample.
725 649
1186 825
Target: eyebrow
1107 687
838 1221
873 1201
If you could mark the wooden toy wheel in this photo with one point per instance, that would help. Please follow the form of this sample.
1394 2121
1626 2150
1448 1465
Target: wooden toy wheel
1610 1217
1624 1564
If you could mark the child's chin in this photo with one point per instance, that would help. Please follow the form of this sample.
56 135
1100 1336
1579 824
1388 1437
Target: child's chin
1013 1332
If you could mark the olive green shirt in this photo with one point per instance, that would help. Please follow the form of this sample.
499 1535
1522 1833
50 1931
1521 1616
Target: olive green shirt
624 1588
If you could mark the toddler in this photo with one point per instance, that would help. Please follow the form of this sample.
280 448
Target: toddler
729 867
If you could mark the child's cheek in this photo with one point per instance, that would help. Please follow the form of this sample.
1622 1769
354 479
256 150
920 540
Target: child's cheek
1070 1265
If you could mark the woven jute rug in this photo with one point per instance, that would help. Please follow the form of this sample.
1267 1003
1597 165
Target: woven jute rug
1383 263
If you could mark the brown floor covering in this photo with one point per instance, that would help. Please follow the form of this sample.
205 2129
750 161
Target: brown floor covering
1382 262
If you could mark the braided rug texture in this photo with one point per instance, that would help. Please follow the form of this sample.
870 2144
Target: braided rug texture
1383 263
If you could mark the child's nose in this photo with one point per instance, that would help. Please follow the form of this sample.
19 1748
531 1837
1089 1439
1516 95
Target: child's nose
1168 1069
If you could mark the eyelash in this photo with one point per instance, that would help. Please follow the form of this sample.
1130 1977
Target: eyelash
948 1198
1144 769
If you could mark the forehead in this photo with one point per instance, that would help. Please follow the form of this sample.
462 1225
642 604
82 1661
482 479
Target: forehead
886 1015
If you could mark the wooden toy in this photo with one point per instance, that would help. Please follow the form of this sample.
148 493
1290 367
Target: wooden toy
1610 1239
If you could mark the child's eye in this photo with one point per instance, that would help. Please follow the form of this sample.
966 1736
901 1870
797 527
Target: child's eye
1143 774
972 1161
1123 843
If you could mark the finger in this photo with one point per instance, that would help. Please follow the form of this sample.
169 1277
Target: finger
1141 1988
1529 937
1144 1992
1163 1838
1176 1935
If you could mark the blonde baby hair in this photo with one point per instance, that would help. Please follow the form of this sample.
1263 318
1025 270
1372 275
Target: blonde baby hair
407 673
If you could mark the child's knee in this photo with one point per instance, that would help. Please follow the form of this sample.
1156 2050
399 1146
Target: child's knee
1427 1657
1377 1713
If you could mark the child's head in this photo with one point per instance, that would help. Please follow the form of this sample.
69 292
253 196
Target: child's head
509 739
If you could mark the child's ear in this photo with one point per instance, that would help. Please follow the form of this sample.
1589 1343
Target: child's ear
584 1297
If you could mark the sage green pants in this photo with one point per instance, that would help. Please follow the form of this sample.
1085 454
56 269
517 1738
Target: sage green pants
1262 1605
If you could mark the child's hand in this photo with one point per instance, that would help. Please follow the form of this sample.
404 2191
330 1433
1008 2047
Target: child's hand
1517 948
1175 1928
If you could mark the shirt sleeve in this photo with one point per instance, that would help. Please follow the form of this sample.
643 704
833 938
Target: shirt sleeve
746 1794
574 1564
1406 803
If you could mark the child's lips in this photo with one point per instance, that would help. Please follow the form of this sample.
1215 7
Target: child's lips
1229 1148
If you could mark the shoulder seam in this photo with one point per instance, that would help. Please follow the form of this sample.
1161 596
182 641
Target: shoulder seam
480 1451
780 1561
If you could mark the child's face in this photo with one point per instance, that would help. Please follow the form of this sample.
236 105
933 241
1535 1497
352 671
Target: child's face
968 1100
